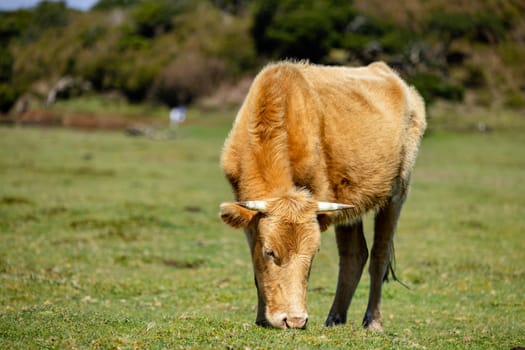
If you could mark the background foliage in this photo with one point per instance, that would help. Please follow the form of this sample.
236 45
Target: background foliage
176 52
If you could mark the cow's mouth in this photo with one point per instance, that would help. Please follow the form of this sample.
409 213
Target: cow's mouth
284 322
296 322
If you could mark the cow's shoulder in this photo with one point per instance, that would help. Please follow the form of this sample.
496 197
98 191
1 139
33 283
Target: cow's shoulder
279 76
381 67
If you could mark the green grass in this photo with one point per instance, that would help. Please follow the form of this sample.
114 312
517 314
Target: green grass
109 241
110 106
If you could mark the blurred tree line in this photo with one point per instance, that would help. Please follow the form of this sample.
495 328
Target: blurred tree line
178 52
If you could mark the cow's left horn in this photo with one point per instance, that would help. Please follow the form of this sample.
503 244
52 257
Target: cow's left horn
327 206
254 205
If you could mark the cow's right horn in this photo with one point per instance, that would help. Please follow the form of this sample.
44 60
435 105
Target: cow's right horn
254 205
328 206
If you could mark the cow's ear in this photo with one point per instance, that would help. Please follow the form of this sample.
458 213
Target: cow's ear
324 221
334 217
236 216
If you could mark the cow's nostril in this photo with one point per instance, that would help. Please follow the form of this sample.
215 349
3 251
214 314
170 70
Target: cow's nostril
285 323
295 322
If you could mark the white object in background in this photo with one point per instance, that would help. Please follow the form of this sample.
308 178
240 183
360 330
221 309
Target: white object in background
177 115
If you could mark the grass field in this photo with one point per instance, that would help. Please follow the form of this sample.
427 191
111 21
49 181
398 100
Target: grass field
109 241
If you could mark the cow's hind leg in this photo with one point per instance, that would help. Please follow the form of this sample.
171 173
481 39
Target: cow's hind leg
385 225
353 254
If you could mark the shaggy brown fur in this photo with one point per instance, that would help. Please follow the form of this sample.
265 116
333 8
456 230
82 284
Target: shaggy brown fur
308 133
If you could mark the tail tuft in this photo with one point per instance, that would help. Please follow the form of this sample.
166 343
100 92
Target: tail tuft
390 270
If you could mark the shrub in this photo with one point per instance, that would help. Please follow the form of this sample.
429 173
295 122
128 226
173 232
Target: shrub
111 4
489 28
135 79
398 41
299 29
515 99
100 70
152 17
232 6
231 43
132 42
46 15
30 24
13 24
8 96
133 76
6 65
475 77
209 32
92 35
355 42
483 27
512 54
432 86
369 26
189 77
49 14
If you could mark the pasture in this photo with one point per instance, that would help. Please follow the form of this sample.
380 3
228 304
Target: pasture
114 242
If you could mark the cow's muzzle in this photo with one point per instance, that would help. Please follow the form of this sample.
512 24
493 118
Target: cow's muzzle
285 321
296 322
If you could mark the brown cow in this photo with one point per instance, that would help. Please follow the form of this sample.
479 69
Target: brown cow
308 137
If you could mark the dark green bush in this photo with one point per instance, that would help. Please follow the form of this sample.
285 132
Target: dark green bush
153 17
132 42
8 96
398 41
483 27
13 24
100 70
49 14
126 74
6 64
92 35
453 25
30 24
355 42
135 80
369 26
489 28
299 29
475 77
231 6
432 86
111 4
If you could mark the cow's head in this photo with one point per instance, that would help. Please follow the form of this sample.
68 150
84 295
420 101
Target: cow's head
284 236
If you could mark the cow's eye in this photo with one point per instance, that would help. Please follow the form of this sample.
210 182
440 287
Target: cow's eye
269 253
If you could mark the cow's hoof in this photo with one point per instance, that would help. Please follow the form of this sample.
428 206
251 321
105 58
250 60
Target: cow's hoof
263 323
334 320
373 325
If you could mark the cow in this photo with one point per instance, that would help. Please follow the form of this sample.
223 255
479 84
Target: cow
314 146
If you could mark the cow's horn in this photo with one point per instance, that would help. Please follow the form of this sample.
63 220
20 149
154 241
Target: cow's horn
253 205
327 206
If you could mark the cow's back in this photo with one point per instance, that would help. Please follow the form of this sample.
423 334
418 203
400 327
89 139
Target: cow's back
368 114
348 132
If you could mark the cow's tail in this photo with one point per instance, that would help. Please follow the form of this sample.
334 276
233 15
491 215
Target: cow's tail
391 269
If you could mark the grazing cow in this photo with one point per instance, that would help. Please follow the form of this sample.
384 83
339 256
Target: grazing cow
306 139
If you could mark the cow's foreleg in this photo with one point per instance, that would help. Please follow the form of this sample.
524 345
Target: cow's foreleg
353 254
385 225
261 309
